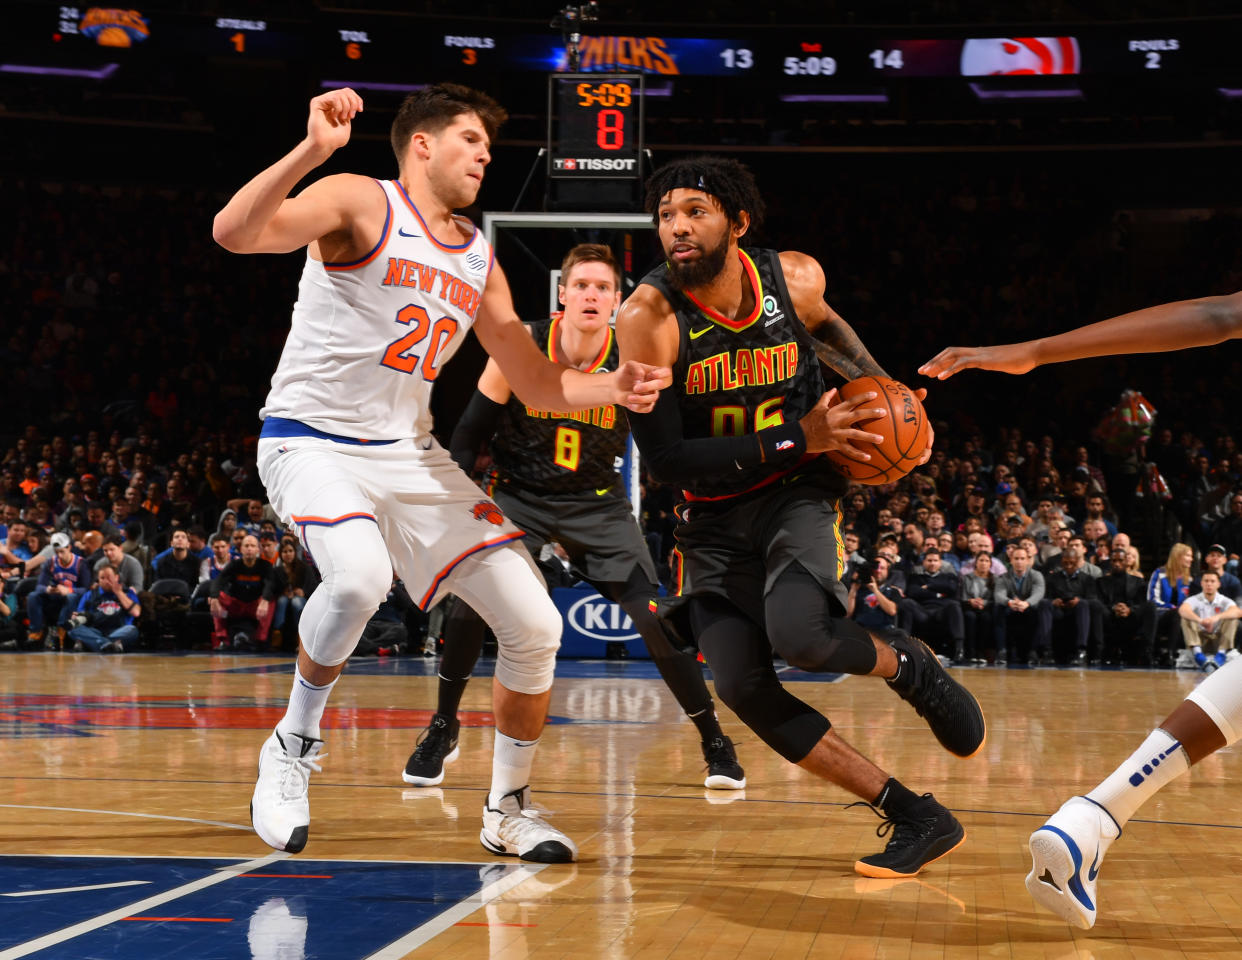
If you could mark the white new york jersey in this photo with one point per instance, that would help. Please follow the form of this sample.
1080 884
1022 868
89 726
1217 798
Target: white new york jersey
370 337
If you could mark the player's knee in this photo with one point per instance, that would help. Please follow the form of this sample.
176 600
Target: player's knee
827 644
361 584
526 647
782 721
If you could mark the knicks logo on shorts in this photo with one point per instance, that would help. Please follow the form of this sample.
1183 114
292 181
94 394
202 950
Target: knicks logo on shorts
486 510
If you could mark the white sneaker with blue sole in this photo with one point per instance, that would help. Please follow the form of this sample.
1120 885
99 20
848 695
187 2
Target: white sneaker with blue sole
1066 853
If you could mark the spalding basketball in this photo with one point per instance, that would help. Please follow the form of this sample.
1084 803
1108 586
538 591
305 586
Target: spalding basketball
904 431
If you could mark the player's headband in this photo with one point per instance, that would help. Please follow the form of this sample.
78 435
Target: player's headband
689 180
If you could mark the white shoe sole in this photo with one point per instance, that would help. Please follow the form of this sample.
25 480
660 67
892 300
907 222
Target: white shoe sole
1054 880
431 781
721 782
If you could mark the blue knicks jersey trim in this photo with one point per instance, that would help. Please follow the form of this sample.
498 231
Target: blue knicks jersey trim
354 264
283 427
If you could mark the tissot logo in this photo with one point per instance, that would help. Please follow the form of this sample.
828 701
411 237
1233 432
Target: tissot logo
594 163
599 619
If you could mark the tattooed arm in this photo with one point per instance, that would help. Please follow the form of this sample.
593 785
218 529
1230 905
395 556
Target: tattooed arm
836 343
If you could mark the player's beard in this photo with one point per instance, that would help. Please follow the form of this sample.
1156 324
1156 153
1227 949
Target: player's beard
697 273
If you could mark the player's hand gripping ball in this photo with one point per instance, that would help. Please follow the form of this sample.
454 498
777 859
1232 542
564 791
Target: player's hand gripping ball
904 431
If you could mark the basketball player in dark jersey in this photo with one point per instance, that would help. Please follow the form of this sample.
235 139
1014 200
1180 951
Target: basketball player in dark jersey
555 476
759 551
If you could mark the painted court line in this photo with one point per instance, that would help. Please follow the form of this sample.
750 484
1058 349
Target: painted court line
93 886
126 813
449 918
86 926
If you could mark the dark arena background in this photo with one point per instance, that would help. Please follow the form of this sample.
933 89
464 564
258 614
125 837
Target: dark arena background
966 173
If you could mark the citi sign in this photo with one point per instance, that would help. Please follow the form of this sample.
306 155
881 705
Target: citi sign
600 619
621 164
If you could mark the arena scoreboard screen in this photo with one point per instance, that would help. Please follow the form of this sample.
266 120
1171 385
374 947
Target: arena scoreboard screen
407 49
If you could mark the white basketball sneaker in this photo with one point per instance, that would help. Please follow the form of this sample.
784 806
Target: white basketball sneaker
1066 853
279 809
516 830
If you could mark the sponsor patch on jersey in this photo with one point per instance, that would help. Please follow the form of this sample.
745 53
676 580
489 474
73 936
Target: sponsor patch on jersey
772 311
476 265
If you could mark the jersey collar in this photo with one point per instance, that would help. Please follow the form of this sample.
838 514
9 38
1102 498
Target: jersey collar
554 341
756 285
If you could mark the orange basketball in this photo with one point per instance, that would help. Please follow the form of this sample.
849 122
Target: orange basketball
904 431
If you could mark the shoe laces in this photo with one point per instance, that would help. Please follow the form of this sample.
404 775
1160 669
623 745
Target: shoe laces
434 743
905 830
295 774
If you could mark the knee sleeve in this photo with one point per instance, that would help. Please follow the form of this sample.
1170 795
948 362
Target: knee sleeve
1220 697
506 590
741 664
357 573
803 629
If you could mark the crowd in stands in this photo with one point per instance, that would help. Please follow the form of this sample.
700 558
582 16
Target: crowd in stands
136 360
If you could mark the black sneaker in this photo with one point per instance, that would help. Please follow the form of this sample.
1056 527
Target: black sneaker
723 770
436 747
951 711
924 833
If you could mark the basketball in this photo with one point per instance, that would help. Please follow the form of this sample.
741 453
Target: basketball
904 431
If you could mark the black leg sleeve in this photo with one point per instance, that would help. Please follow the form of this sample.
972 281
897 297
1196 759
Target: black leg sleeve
741 661
805 632
681 672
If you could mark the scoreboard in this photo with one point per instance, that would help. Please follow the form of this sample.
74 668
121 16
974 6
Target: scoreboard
411 49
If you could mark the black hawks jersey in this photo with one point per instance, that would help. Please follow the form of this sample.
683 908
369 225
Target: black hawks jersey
561 452
735 377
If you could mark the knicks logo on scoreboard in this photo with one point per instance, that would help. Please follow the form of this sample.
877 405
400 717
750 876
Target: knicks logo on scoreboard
113 27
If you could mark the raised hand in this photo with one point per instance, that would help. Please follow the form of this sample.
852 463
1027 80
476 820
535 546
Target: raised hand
331 115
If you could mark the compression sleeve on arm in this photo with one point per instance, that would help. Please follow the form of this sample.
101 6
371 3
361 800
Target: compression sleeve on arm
476 426
671 458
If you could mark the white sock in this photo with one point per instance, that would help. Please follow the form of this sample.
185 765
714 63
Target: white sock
305 710
1159 760
511 763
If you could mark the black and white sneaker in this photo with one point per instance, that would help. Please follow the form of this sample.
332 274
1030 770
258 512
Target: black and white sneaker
951 711
925 832
513 829
436 747
723 770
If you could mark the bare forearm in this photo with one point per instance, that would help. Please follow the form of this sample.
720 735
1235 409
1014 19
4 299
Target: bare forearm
240 223
1169 326
838 346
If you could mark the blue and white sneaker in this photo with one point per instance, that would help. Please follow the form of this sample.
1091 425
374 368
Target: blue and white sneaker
1066 853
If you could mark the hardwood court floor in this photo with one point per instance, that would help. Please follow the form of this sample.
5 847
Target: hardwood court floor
138 756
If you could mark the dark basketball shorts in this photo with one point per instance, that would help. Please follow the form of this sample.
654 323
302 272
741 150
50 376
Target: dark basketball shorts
597 529
737 548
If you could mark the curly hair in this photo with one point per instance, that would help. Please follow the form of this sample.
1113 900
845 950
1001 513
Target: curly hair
729 182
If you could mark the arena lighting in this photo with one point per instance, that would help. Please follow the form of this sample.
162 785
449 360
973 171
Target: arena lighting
879 97
1229 93
103 73
1035 93
372 85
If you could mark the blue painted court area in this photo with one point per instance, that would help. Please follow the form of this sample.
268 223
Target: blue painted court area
233 909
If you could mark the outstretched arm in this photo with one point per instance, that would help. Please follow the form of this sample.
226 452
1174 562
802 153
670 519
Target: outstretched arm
545 385
1159 329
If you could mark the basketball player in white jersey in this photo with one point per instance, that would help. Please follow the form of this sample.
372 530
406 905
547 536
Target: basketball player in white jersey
1067 850
392 282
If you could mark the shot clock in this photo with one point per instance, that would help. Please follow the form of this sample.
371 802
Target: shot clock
595 126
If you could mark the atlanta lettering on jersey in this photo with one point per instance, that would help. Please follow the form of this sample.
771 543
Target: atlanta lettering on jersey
604 417
751 367
453 290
